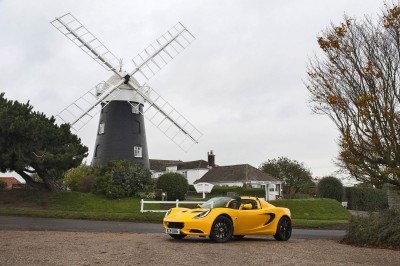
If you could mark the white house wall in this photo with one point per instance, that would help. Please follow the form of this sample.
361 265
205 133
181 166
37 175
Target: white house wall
193 174
190 174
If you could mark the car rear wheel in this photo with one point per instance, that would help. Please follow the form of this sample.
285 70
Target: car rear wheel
180 236
221 230
284 229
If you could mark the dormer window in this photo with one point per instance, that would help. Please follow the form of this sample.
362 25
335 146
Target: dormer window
135 108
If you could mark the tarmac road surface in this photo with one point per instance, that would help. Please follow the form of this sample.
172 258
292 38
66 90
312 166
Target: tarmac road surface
76 225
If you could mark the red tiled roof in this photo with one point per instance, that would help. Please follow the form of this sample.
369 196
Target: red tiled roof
160 165
191 165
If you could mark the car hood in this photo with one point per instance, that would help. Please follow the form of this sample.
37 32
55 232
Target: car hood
184 214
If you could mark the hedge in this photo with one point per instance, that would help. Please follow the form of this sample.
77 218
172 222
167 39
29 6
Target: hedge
366 199
380 229
330 187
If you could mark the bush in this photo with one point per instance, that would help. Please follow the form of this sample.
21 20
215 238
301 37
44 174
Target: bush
122 179
3 185
366 199
330 187
86 184
146 195
379 230
176 185
75 176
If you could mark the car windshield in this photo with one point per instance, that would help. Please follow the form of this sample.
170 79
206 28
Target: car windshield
216 202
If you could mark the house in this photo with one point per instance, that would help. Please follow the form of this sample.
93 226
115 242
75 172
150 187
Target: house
192 170
243 175
10 182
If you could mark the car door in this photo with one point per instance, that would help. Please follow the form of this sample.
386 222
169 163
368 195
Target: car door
250 221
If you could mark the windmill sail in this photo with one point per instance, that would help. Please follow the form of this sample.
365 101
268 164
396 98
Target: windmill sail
85 40
161 52
83 109
167 119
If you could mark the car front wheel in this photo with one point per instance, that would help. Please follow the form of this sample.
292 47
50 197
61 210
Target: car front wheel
221 230
284 229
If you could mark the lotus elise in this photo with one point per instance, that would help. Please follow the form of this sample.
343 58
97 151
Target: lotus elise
223 218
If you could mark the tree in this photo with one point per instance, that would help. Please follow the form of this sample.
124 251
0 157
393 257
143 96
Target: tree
330 187
295 176
32 143
356 84
175 184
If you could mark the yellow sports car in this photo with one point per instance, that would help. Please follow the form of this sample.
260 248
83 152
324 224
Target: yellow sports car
222 218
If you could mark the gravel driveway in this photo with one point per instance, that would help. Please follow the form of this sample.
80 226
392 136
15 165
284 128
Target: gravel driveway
83 248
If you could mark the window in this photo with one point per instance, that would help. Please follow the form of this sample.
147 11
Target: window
96 152
135 108
137 152
136 127
101 127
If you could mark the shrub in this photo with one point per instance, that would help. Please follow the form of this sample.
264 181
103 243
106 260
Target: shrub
176 185
366 199
75 176
122 179
379 229
103 185
146 195
3 185
86 184
330 187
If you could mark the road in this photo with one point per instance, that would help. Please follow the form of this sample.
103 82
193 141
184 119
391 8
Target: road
75 225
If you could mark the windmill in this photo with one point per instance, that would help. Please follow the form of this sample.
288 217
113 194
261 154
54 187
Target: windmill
125 99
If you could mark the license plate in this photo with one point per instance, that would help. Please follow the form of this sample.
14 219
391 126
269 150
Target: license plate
172 231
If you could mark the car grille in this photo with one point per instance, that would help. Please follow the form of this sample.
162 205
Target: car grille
175 225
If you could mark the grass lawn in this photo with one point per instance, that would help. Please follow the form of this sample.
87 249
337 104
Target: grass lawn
316 213
309 213
68 204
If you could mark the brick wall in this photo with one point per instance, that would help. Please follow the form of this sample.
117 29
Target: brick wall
9 181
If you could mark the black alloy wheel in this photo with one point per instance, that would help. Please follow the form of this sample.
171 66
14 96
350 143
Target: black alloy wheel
180 236
284 229
221 230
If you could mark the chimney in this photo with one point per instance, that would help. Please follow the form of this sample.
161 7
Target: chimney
211 159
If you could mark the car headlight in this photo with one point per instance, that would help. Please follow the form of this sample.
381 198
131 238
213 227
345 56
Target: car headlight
168 212
202 214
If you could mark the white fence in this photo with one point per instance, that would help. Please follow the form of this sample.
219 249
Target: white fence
177 202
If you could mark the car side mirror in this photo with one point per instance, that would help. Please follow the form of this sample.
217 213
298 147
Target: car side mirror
247 206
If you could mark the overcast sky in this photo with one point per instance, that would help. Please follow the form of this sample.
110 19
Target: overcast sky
240 83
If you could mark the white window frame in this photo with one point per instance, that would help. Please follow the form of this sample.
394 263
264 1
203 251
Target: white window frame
102 126
137 152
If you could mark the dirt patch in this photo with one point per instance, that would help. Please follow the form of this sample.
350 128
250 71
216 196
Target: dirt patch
69 248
